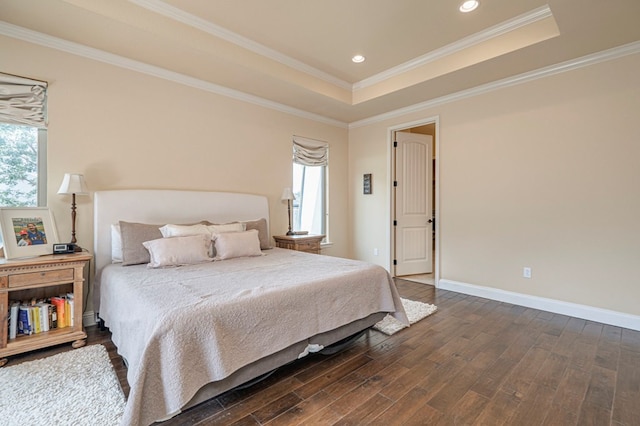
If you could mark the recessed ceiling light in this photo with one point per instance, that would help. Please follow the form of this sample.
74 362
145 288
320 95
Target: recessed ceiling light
358 58
469 5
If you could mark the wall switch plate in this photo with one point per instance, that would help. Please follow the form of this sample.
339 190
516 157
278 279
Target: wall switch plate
526 272
375 251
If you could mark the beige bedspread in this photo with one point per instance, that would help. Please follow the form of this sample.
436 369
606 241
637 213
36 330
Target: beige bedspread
180 328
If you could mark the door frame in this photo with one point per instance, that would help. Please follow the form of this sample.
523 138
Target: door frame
390 199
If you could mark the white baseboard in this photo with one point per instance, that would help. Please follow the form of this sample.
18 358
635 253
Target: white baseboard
590 313
88 318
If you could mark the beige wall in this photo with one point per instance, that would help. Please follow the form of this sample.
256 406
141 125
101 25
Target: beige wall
124 129
545 174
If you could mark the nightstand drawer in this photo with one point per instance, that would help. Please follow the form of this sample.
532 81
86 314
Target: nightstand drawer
4 282
43 277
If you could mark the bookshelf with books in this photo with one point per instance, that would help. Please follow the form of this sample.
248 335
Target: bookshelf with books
41 302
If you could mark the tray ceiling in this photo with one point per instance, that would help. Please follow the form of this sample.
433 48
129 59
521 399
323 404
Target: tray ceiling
296 54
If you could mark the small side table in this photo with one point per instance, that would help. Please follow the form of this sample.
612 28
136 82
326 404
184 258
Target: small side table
306 243
41 278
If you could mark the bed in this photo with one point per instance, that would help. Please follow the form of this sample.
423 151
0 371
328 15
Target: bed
191 332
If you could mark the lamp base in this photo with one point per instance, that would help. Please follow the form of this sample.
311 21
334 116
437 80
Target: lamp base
290 232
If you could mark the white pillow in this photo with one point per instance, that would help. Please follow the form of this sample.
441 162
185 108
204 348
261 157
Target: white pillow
227 227
184 230
237 244
116 244
176 251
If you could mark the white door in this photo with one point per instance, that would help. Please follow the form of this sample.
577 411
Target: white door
413 185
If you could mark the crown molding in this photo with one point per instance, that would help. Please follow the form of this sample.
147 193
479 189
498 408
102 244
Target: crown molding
497 30
186 18
77 49
584 61
179 15
30 36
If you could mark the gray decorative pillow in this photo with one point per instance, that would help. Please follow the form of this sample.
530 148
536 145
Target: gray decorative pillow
263 232
133 235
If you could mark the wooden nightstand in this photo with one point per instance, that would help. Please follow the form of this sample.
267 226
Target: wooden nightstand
306 243
41 278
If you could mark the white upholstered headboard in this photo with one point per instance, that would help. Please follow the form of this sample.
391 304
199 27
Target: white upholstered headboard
167 206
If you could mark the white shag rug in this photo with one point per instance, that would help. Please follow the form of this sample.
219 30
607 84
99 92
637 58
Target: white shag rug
415 312
78 387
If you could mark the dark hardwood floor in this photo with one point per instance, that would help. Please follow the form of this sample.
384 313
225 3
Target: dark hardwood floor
475 361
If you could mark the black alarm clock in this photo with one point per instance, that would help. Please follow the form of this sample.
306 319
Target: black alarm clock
64 248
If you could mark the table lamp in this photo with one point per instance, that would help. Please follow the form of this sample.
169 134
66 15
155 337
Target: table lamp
287 195
73 184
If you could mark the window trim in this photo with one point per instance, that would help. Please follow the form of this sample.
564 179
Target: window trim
42 168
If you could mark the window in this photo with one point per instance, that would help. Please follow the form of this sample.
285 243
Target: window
23 138
309 205
22 141
310 160
19 160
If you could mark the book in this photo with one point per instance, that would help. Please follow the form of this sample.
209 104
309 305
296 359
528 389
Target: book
32 327
59 303
24 327
35 312
53 316
44 315
69 309
13 320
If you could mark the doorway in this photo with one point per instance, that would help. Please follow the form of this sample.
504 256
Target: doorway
414 202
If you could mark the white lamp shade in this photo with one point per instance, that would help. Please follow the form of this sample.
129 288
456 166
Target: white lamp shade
287 194
73 183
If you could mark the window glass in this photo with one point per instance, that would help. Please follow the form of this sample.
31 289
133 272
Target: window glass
19 156
309 206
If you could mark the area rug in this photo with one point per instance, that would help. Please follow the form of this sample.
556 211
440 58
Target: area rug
78 387
415 312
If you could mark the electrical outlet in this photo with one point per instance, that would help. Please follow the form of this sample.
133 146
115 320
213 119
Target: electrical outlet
375 251
526 272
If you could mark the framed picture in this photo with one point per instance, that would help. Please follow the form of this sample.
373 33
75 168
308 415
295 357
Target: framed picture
366 183
27 231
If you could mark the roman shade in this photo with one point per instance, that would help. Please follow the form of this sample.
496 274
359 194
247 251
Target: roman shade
22 101
310 152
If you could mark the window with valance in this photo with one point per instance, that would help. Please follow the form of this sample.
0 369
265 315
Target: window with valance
23 124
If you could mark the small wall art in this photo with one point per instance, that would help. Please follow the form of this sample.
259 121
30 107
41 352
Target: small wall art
366 183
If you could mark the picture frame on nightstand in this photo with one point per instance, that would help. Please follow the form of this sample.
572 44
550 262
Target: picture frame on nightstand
27 231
